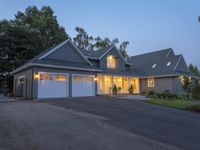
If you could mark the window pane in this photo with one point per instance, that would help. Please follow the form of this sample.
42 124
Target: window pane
60 78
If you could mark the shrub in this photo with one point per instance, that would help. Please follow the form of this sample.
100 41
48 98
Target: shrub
119 89
143 92
196 92
194 108
159 95
166 95
151 93
114 89
130 89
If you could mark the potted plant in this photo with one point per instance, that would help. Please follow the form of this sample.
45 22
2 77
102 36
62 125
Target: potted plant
119 89
114 90
131 89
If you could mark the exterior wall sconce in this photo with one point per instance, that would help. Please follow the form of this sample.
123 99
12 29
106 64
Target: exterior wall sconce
36 76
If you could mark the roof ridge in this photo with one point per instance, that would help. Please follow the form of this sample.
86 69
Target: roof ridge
169 49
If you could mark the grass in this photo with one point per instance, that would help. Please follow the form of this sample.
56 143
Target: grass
179 104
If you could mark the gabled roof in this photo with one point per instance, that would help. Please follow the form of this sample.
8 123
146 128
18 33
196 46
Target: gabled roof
54 48
155 63
96 54
42 59
100 53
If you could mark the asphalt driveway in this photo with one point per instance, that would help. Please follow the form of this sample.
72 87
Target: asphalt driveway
96 123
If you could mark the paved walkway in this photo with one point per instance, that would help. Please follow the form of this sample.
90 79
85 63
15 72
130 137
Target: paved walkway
6 99
135 97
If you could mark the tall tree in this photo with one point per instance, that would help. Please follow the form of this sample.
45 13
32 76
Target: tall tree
122 49
194 69
30 33
82 39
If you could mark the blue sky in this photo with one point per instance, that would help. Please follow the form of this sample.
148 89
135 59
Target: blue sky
148 25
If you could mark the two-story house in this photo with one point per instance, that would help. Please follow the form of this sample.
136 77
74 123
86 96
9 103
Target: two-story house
67 71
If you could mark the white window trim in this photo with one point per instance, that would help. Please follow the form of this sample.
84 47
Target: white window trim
22 76
111 67
149 84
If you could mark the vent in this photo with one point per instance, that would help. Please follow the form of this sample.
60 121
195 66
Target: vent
154 66
169 63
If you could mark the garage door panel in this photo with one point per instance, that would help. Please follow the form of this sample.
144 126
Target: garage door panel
53 86
83 86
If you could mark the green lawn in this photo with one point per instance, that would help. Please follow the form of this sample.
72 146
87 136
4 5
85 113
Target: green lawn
179 104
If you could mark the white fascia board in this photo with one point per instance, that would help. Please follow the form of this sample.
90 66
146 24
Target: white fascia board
178 62
80 52
54 49
110 50
20 69
65 67
169 53
60 45
106 52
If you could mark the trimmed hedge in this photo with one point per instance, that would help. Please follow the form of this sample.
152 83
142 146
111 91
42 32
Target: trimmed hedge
164 95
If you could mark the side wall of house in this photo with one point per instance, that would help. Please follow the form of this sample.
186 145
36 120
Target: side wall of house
52 70
23 89
171 84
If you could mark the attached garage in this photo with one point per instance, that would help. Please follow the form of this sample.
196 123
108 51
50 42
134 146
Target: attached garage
51 85
83 85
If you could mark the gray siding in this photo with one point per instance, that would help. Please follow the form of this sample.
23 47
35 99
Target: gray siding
171 84
67 53
27 86
120 63
177 86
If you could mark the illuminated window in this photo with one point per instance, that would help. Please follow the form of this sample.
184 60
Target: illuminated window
44 76
182 80
60 78
150 82
111 62
83 79
154 66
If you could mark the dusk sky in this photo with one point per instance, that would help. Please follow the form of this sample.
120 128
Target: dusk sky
148 25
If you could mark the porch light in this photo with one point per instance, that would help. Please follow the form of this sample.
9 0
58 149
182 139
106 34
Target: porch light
36 76
95 79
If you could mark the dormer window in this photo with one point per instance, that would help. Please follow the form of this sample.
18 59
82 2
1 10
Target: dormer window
169 63
154 66
111 61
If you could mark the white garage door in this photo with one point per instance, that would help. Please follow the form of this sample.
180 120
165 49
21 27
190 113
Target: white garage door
83 85
52 85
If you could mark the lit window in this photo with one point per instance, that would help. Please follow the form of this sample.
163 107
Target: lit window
60 78
111 62
169 63
150 82
83 79
154 66
182 80
44 76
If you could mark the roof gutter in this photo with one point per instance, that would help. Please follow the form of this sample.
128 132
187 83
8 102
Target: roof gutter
52 66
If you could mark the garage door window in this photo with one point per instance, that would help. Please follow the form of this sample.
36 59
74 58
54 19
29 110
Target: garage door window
83 79
44 76
60 78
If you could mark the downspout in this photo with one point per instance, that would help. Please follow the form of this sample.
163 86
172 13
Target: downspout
32 83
